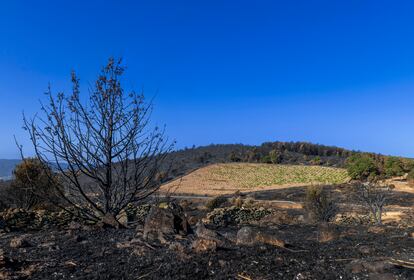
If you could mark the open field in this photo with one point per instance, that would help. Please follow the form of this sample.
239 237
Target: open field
230 177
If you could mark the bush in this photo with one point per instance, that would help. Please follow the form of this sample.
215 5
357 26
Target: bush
215 202
248 203
361 167
33 184
266 159
237 201
275 156
316 160
320 208
393 166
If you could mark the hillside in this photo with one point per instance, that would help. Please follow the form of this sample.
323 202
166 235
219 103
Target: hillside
300 153
228 178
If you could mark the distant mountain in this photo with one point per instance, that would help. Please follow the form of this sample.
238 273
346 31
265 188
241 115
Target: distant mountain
6 168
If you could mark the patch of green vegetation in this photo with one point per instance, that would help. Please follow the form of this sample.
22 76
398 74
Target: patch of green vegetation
255 175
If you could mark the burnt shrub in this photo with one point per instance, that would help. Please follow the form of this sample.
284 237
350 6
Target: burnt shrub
375 197
319 206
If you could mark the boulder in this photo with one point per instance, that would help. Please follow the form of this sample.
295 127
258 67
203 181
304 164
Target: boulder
165 221
109 221
251 236
208 234
246 236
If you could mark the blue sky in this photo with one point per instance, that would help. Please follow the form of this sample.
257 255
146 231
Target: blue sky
331 72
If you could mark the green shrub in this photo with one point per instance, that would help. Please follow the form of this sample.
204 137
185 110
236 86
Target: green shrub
316 160
275 156
215 202
266 159
393 166
318 205
361 167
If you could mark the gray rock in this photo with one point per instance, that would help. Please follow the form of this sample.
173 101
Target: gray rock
246 236
165 221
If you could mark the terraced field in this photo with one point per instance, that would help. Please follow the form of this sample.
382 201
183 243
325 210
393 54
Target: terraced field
230 177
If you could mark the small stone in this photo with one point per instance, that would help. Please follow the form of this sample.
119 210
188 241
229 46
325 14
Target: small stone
71 263
365 249
376 229
382 276
377 266
203 245
109 221
177 246
19 242
123 245
2 258
123 218
74 226
355 267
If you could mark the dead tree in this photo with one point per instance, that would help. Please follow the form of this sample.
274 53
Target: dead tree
106 153
375 198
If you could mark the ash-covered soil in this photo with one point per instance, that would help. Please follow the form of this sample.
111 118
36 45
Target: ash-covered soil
359 252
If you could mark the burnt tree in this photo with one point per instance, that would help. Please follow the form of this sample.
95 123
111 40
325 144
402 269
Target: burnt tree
105 150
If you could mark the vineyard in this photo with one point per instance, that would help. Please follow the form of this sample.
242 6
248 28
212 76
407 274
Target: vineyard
230 177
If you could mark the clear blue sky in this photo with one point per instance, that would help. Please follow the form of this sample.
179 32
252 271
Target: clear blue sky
332 72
